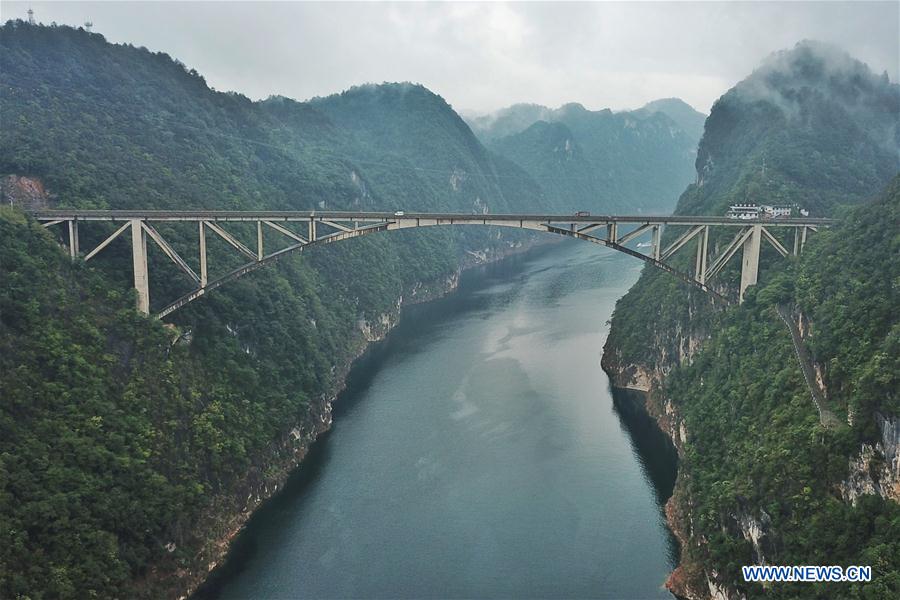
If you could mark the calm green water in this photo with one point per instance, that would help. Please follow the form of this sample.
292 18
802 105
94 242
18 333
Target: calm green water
478 453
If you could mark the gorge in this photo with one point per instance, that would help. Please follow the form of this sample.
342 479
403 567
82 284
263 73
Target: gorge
132 451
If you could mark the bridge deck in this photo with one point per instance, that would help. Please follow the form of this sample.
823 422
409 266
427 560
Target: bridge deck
447 218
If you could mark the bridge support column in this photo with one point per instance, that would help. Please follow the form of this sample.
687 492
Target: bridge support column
259 241
204 275
139 259
750 262
612 232
73 238
700 266
312 231
657 237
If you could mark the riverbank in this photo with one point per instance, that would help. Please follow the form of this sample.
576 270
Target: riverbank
646 385
649 401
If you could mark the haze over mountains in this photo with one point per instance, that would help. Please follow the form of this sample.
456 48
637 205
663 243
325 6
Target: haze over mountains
811 126
622 161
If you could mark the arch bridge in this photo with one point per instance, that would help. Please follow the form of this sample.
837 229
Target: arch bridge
309 228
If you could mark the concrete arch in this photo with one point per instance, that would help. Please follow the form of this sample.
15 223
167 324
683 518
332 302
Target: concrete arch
346 235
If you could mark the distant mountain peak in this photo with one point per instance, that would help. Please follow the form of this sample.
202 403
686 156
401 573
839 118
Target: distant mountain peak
662 104
519 117
572 107
685 116
387 89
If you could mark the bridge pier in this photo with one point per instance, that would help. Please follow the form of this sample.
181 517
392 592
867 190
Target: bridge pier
73 238
657 238
750 262
204 274
700 266
259 241
139 259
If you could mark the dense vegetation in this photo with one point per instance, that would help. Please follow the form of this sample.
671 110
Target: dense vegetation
755 450
120 436
114 436
623 162
755 447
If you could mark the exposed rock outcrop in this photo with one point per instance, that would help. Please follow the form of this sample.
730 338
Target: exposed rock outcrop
876 469
26 193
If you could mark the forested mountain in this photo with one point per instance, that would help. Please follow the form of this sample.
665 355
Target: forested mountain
690 120
131 449
550 153
762 478
599 160
811 126
404 128
128 449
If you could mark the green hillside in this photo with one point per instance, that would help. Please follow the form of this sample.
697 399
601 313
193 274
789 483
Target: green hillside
810 127
755 448
550 153
112 439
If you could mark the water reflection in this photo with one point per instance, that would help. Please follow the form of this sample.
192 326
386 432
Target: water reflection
653 449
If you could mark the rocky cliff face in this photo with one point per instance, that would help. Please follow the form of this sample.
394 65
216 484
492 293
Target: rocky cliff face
690 580
687 579
26 193
876 468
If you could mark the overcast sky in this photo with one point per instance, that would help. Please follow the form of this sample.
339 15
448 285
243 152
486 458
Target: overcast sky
483 56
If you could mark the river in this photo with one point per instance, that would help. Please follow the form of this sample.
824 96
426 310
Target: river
478 452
